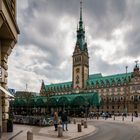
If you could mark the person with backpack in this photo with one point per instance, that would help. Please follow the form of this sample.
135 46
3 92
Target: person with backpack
64 119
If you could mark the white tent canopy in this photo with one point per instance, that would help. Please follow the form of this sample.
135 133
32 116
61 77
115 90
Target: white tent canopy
6 92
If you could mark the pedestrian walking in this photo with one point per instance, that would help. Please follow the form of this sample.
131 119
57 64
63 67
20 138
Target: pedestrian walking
64 119
55 121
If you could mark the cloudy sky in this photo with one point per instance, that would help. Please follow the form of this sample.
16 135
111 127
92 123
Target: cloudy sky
48 35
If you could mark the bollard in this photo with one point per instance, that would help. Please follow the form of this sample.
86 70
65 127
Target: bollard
85 124
114 117
74 121
82 122
60 131
29 135
132 119
123 118
79 127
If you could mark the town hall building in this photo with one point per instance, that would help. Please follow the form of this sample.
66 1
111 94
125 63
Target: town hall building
119 92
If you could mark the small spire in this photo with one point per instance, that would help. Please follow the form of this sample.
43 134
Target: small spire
136 63
126 67
84 27
26 88
86 39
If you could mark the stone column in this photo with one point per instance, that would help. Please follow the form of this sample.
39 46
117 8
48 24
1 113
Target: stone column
5 52
0 93
1 21
0 112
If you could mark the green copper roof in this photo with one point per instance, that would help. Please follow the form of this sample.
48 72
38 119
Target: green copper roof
58 87
112 79
95 76
93 80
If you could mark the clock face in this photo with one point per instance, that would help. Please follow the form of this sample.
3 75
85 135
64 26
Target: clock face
77 70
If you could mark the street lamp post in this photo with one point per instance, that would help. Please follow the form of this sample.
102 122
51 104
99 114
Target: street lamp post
125 96
86 109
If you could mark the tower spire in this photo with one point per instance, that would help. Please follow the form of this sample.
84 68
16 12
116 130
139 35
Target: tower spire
81 22
80 56
81 10
81 32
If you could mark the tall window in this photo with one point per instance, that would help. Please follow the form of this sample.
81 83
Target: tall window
135 106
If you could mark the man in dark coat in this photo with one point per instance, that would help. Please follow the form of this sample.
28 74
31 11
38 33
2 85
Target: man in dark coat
64 119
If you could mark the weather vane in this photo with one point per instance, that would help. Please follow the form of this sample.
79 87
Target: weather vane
81 3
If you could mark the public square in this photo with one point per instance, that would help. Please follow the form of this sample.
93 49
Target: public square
96 129
69 70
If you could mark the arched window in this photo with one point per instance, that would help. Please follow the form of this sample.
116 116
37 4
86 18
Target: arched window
121 98
139 97
116 98
132 98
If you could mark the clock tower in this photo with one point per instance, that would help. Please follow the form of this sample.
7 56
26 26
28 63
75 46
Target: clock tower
80 58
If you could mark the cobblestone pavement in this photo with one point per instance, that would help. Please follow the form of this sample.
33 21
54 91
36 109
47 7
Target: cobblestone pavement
41 133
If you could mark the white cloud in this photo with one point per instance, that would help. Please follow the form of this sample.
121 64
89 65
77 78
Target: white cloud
48 36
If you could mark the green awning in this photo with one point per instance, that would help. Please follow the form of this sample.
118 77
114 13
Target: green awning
40 103
52 102
78 101
74 99
22 103
31 102
63 101
16 103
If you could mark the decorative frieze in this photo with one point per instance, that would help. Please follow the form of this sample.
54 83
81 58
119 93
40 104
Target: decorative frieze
135 88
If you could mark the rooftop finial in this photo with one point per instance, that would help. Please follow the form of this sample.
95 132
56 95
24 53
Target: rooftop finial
126 67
